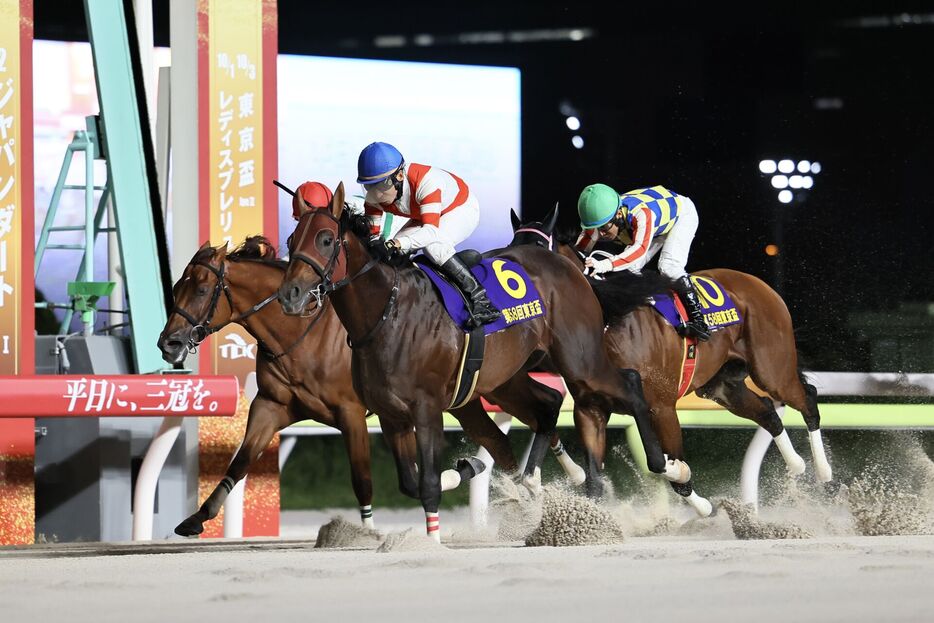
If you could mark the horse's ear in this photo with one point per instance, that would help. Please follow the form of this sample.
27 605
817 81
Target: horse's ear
516 221
206 245
337 201
220 253
551 219
299 206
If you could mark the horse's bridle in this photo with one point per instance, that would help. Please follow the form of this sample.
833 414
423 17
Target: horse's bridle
549 239
201 330
326 286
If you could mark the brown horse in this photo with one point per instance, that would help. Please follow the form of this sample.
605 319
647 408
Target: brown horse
761 346
407 350
303 372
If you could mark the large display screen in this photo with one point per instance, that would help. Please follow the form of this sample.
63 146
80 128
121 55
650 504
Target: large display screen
465 119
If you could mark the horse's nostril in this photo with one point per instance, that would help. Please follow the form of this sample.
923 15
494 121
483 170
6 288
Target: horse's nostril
295 293
172 344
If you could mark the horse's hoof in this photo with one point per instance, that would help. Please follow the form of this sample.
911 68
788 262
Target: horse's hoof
701 506
533 481
190 527
677 471
577 475
469 467
450 479
824 472
796 466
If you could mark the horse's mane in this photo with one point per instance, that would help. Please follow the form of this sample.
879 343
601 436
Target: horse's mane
620 292
256 249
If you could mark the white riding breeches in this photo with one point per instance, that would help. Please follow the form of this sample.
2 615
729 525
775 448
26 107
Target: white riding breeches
438 242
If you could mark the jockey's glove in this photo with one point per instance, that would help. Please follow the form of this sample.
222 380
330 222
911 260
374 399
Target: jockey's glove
597 267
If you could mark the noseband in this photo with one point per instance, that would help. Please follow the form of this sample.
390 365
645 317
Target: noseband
326 286
201 330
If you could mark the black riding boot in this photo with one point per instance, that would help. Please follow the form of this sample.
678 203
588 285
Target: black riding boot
696 326
481 309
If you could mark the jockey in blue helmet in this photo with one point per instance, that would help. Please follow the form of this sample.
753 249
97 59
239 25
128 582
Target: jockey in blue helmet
441 212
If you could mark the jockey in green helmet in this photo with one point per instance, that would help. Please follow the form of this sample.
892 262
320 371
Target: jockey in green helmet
644 221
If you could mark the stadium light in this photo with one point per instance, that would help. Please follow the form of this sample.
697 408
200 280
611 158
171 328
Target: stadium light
804 166
796 181
577 141
815 168
786 166
767 167
779 181
807 181
573 123
785 196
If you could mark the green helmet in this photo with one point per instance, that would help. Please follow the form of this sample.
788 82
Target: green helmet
597 205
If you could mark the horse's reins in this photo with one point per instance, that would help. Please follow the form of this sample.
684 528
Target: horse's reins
201 330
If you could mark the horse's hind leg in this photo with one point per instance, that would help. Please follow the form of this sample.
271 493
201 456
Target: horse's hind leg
478 425
791 388
526 397
728 388
666 424
353 427
266 417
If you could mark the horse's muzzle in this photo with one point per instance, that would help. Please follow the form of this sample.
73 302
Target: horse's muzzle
174 348
293 299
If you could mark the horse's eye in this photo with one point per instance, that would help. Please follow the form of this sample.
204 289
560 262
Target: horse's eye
324 241
202 290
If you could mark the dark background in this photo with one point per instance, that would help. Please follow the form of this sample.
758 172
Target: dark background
692 97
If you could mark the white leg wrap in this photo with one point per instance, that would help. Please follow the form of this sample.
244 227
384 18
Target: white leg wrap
821 464
676 470
433 526
793 460
450 479
366 516
702 506
368 523
574 471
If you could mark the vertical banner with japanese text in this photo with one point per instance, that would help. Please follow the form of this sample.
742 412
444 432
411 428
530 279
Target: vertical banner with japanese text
17 297
237 48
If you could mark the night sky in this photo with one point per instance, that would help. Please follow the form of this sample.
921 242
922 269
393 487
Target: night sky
692 99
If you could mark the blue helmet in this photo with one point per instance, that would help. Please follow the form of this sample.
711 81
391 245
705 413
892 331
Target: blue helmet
377 161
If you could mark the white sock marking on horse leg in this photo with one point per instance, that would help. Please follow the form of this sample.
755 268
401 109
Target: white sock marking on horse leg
821 464
450 479
793 460
433 525
701 506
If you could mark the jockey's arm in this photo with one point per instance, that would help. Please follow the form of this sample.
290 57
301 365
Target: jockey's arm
587 240
643 229
413 237
374 215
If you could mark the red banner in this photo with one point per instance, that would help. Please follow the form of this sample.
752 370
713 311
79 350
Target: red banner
129 395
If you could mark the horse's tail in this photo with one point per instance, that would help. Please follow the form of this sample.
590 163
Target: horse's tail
622 292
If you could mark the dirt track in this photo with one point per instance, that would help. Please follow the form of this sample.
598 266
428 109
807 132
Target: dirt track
826 579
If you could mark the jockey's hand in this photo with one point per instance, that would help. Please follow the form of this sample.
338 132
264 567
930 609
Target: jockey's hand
594 266
395 255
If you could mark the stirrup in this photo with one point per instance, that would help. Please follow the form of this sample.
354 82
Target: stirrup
691 329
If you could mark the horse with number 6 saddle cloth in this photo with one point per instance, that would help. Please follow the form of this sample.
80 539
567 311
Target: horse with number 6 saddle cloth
510 290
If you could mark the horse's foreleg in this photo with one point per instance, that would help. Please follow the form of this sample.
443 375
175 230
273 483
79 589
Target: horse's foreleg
429 433
352 423
266 417
678 473
590 422
812 420
631 400
401 441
